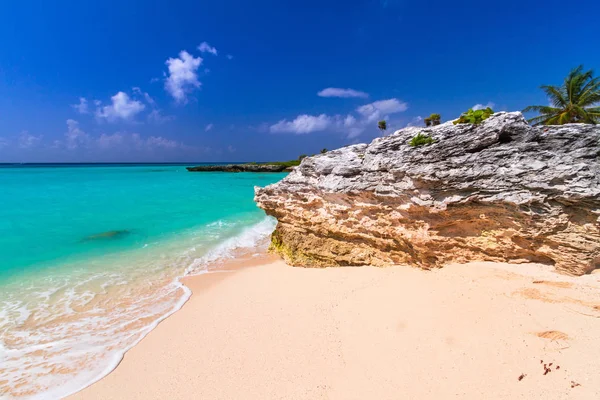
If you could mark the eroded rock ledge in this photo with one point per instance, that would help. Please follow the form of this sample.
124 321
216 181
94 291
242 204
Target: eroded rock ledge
499 191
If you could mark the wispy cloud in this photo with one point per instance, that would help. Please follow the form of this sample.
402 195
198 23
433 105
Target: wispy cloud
207 48
338 92
229 57
27 140
483 106
208 127
121 107
3 143
109 141
303 124
134 141
418 120
182 78
161 142
379 109
349 124
75 136
156 116
82 107
136 90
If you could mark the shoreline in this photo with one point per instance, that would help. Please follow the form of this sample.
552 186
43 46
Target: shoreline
188 283
137 305
241 319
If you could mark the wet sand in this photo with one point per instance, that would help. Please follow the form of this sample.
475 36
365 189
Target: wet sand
473 331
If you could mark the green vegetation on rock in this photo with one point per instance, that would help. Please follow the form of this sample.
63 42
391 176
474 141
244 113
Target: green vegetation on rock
474 116
382 125
575 101
433 119
421 140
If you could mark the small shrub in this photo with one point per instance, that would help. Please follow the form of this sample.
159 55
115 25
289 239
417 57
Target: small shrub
474 116
323 151
421 140
382 125
435 119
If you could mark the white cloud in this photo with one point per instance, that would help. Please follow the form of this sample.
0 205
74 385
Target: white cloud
351 125
231 149
106 141
416 120
157 116
82 107
75 137
303 124
337 92
229 57
183 76
161 142
208 127
122 107
134 141
146 96
381 108
3 143
349 121
26 140
207 48
483 106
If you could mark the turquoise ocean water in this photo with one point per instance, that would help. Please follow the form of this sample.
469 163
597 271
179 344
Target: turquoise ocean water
90 258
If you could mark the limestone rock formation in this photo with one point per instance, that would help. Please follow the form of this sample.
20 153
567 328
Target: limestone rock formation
498 191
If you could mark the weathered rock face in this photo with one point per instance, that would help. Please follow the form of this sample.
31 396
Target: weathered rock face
498 191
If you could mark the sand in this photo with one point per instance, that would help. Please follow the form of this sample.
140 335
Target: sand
474 331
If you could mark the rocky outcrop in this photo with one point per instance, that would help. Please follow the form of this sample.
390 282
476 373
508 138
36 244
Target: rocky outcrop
498 191
241 168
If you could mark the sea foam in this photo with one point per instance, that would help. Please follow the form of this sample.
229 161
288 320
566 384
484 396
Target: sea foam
67 331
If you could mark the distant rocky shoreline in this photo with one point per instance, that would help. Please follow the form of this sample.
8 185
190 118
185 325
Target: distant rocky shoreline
242 168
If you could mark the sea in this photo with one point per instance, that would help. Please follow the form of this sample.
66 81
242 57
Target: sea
91 258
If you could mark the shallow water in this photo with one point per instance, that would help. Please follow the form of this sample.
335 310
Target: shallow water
90 258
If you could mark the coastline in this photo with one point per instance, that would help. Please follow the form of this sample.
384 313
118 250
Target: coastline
274 331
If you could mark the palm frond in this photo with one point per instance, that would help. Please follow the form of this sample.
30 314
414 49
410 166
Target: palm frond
582 115
542 109
558 96
539 120
591 88
570 102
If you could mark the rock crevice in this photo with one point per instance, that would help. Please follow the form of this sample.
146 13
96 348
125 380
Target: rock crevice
498 191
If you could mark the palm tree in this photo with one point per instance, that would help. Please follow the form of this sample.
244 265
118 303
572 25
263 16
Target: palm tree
382 125
575 101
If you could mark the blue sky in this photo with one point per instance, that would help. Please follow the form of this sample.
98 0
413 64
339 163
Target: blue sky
234 80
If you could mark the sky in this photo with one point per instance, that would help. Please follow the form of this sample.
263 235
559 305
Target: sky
263 80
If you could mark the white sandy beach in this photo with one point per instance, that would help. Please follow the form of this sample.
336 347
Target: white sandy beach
461 332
